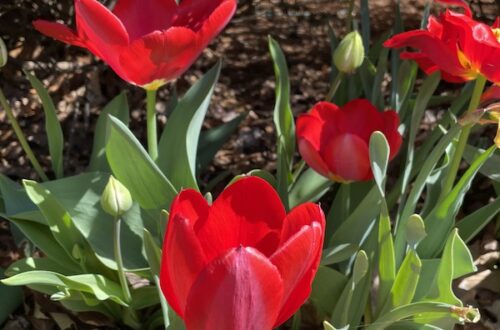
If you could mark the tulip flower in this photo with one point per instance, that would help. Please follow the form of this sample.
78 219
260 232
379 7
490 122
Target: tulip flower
241 263
334 141
146 42
455 44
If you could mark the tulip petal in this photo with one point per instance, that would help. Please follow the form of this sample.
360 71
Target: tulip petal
303 215
183 257
348 158
361 118
143 17
99 24
311 156
429 67
297 261
249 212
438 52
104 35
390 130
240 290
217 20
160 55
58 31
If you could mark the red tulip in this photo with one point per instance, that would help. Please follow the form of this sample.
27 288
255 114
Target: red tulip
241 263
455 44
334 141
146 42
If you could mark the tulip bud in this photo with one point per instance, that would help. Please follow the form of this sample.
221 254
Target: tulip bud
3 53
350 53
115 199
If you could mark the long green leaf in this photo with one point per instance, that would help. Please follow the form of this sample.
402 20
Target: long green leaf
310 186
442 218
118 107
418 187
52 126
10 299
472 224
211 141
283 120
59 220
405 284
133 167
99 286
178 144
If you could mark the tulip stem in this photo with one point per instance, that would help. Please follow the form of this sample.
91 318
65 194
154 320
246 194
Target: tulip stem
21 138
334 86
151 123
462 140
119 260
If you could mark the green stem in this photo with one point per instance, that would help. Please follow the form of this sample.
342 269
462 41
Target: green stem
21 138
462 140
119 260
151 123
334 86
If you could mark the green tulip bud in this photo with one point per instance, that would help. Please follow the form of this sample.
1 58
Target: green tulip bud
3 53
115 199
350 53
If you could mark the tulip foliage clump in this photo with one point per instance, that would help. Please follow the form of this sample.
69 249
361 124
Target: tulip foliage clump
358 226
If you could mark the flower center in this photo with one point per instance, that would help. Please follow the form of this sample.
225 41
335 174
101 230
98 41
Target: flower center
496 33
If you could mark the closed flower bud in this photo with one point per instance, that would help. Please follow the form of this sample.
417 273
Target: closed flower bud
350 53
115 199
3 53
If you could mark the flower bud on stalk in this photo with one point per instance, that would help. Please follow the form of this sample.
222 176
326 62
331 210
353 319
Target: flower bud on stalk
3 54
115 199
350 53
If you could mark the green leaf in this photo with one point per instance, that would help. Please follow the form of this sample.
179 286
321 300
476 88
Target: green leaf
118 108
179 141
338 253
283 120
354 292
134 168
386 259
417 188
365 24
376 98
153 252
426 91
10 299
98 286
14 196
456 261
416 310
81 195
59 220
359 224
52 126
404 85
327 287
472 224
212 140
41 236
144 297
46 264
379 159
405 284
309 187
490 167
442 218
415 230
